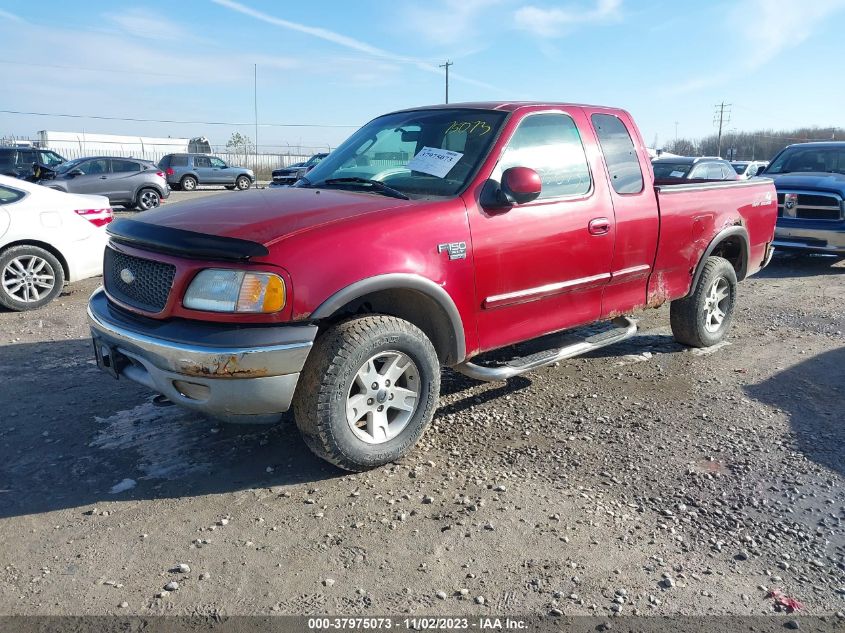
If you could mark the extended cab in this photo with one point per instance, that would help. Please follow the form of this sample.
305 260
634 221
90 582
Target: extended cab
810 181
430 237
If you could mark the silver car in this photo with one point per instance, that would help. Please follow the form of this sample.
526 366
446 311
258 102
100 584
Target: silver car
187 171
129 182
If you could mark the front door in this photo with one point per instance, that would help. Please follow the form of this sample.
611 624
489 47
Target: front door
220 172
94 178
541 266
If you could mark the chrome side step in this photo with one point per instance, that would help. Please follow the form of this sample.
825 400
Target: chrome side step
625 328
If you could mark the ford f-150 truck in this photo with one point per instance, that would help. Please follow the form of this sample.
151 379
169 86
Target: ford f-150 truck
429 238
810 181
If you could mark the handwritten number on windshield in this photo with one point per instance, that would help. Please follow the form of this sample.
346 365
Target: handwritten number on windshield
470 127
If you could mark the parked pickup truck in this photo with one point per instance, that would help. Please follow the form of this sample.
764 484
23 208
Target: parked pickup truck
429 238
810 181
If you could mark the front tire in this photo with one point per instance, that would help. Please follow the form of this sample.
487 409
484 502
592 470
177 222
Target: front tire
703 318
243 183
368 391
30 278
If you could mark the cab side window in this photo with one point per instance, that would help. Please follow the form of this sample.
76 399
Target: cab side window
216 162
202 161
550 145
623 164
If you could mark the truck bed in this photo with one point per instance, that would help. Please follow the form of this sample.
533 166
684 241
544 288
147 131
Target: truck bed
692 214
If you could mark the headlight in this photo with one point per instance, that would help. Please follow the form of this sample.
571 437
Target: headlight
219 290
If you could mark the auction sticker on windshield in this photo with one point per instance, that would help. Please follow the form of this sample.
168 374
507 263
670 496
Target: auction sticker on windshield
434 161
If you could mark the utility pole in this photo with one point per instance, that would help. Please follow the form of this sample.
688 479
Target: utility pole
255 104
446 66
721 118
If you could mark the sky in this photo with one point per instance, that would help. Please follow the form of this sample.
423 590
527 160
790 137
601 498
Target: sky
325 68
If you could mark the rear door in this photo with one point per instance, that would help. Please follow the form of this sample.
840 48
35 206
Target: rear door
541 266
125 178
634 209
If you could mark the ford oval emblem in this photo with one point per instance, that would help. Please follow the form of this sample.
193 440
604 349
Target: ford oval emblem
127 276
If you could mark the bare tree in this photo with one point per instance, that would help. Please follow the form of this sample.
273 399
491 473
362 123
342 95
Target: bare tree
759 145
241 146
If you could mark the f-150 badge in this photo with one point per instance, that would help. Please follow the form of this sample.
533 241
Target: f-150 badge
456 250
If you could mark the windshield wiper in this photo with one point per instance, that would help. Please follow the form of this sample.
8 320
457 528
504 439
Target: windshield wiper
377 185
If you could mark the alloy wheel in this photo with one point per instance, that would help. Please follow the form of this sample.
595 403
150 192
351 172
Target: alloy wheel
383 397
28 278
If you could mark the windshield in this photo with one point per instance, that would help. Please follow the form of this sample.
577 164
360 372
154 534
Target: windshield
69 165
51 159
316 158
671 170
809 159
418 154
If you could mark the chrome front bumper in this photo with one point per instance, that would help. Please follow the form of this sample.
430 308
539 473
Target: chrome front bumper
243 374
816 240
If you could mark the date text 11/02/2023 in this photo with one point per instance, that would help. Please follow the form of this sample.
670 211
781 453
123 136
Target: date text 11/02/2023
417 623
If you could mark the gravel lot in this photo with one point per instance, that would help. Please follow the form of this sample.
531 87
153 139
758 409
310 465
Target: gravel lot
645 478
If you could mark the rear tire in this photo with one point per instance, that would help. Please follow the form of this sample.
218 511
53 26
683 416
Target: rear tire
147 199
703 318
30 278
188 183
368 391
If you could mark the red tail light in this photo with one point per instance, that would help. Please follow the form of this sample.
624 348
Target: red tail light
160 174
170 171
97 217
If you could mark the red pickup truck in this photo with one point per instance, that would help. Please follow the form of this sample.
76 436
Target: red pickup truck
428 238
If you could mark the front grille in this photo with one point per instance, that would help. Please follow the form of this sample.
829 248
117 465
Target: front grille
817 214
811 206
150 281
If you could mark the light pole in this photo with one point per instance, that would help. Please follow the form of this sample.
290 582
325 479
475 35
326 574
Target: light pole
255 104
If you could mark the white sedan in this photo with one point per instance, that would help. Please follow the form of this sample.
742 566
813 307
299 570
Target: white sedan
47 238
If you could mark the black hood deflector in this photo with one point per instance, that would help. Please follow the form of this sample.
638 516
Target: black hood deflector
163 239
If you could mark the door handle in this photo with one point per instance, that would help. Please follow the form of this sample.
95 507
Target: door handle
102 177
599 226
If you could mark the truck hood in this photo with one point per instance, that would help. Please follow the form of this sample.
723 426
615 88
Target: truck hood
267 215
820 181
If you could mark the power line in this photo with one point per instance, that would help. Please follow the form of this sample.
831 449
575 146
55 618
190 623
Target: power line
114 118
88 70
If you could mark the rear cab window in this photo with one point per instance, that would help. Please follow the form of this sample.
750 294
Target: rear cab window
620 155
671 170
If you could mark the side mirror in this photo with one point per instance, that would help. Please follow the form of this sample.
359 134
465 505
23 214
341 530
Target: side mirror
520 185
